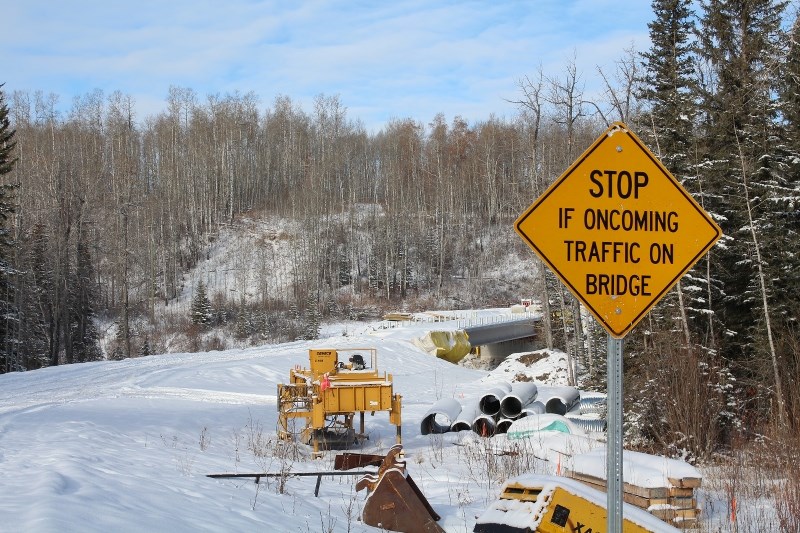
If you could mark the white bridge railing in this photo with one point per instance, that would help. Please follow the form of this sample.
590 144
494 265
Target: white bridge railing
459 320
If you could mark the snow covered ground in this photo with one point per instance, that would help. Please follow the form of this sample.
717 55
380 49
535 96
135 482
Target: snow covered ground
126 446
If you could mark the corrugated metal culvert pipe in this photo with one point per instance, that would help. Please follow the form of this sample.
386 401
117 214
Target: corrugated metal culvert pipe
589 425
595 405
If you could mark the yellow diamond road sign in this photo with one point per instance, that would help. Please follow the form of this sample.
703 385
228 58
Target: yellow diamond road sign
618 229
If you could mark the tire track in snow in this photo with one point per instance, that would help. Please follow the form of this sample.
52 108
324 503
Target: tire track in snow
198 395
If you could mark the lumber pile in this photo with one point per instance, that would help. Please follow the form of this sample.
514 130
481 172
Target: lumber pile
663 487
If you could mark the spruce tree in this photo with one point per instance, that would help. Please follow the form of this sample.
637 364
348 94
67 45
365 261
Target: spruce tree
667 84
311 327
740 43
201 312
243 327
344 267
145 349
9 324
42 277
7 142
118 351
789 88
9 312
784 227
34 295
83 298
668 90
782 232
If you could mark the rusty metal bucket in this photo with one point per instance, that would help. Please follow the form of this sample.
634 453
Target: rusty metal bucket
395 503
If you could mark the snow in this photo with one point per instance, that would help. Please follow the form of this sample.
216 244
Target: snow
127 446
250 259
638 469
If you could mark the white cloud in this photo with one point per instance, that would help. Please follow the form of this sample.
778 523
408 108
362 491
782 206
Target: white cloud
405 59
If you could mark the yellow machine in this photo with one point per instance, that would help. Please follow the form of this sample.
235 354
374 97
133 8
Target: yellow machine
552 504
319 403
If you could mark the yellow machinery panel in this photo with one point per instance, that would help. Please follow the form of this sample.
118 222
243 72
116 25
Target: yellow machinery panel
352 398
395 417
322 361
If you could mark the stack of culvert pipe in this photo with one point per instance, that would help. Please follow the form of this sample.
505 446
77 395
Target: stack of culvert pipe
498 406
522 394
491 399
441 416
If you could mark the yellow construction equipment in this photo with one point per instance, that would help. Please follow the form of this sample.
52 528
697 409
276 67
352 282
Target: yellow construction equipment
319 403
552 504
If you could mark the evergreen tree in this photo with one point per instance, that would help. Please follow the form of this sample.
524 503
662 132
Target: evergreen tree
668 88
312 318
243 325
344 267
42 278
83 298
373 278
782 245
9 313
784 226
667 84
34 338
201 312
145 349
740 42
789 88
7 142
737 42
248 321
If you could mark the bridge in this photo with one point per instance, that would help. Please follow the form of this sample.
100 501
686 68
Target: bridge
493 337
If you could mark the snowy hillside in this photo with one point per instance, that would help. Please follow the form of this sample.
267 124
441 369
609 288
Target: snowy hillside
126 446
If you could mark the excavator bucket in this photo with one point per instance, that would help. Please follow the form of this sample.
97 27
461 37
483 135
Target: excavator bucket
395 503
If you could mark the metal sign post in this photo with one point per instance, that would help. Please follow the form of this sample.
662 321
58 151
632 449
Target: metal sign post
614 444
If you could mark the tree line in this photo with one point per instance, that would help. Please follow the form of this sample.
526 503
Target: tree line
104 211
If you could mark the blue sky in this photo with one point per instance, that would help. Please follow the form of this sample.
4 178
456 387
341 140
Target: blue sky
385 60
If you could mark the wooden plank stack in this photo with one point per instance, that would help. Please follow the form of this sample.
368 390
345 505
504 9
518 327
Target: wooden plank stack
675 504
